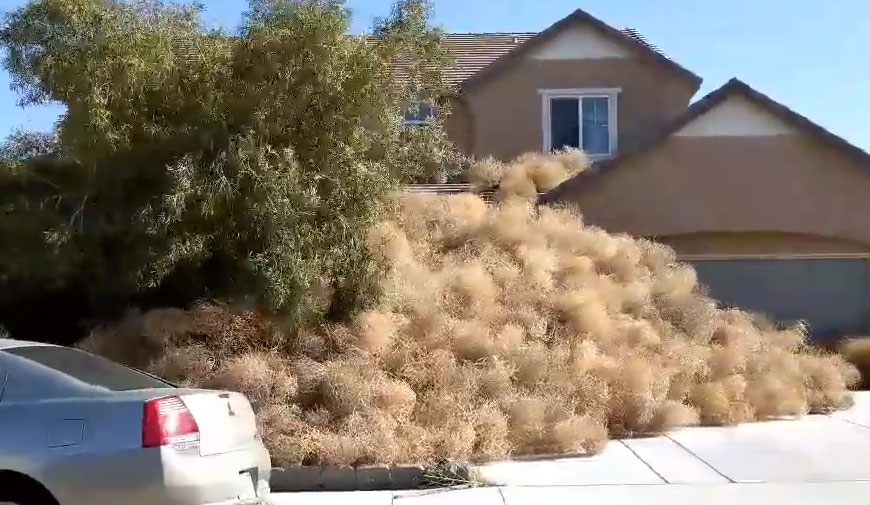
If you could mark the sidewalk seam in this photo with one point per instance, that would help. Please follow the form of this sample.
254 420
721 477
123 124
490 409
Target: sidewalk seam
711 467
653 470
504 502
853 423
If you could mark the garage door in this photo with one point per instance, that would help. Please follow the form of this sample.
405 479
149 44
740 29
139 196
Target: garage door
832 295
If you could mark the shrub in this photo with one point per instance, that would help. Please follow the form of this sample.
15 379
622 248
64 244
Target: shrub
195 163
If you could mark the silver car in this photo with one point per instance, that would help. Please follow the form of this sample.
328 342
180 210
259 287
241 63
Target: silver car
78 429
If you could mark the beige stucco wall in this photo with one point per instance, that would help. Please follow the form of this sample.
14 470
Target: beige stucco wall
505 109
788 184
457 125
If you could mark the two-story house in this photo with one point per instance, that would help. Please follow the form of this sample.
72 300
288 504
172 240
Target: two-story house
772 209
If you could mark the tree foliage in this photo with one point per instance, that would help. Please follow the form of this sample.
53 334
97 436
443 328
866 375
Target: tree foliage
197 163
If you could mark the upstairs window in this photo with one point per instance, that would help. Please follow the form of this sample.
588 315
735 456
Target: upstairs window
420 112
583 119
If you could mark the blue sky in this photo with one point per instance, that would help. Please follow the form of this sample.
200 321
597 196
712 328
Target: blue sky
813 56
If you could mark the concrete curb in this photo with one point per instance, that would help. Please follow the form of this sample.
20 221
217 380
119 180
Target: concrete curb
346 478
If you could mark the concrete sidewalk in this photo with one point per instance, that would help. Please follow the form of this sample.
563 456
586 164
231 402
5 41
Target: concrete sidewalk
817 459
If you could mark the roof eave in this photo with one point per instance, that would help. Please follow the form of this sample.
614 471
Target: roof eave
578 16
698 109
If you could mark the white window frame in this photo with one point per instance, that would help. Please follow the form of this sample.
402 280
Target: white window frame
612 95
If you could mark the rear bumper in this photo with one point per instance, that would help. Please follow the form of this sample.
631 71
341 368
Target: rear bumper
161 477
237 477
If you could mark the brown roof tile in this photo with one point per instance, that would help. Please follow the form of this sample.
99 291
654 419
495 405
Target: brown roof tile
636 35
474 51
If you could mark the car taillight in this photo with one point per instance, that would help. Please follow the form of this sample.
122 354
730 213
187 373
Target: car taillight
167 421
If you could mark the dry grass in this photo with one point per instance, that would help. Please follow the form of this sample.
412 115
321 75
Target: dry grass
500 331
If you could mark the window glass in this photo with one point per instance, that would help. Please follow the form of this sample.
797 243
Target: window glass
420 112
564 123
88 368
596 130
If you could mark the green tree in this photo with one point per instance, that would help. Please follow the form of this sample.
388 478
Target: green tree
198 163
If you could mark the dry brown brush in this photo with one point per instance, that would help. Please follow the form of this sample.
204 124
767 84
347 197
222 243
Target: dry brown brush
857 352
500 330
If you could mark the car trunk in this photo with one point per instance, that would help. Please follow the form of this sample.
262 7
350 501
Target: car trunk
226 420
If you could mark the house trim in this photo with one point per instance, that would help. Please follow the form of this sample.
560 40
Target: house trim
578 16
612 94
780 256
732 87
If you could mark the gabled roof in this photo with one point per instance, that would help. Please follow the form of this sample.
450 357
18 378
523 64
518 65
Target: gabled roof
731 88
471 52
630 39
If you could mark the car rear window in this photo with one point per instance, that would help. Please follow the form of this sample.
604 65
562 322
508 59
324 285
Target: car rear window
88 368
